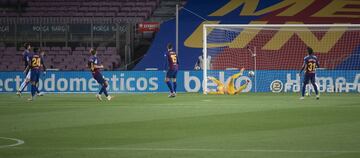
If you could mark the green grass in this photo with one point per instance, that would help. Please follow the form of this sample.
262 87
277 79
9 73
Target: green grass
260 125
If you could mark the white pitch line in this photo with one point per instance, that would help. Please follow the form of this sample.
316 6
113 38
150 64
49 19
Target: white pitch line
224 150
18 142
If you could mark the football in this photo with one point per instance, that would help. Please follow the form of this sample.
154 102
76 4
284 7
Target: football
251 73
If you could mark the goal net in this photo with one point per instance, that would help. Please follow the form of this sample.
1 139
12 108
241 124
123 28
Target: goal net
276 52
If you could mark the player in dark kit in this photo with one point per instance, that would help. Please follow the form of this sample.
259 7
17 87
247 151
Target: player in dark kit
26 54
171 65
310 64
36 62
95 66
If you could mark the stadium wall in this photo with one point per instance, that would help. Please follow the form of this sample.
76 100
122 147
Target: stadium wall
245 12
188 81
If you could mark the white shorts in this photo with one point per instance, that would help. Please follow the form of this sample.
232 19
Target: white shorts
28 75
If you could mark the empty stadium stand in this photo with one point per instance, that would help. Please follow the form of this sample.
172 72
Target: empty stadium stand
61 58
78 23
111 10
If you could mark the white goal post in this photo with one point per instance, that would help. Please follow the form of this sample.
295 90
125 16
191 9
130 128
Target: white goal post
261 46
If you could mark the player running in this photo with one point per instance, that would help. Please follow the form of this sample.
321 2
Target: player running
35 63
27 52
172 66
95 66
230 88
310 64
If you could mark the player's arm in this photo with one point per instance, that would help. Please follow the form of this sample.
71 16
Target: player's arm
93 66
27 61
317 64
219 83
97 66
302 68
28 64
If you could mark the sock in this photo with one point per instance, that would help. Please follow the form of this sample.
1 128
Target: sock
174 86
23 85
33 90
315 88
104 90
303 90
170 86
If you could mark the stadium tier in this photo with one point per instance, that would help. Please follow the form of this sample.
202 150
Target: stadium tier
61 58
141 9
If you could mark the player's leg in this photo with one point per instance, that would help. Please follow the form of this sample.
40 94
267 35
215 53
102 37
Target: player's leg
170 86
34 79
24 83
174 81
174 84
312 79
42 74
33 91
220 86
231 86
38 93
168 83
242 87
306 81
98 79
217 92
308 90
216 81
104 84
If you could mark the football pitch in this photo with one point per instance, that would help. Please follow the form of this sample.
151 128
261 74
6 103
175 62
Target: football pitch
261 125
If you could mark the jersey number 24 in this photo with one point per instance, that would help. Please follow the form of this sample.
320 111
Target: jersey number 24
35 62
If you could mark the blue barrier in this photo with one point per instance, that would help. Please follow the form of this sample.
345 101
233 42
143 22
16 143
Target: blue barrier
188 81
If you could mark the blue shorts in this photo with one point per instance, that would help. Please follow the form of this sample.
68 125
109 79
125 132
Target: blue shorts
309 77
35 75
171 74
99 78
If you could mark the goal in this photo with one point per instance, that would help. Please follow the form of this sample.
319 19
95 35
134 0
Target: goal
275 53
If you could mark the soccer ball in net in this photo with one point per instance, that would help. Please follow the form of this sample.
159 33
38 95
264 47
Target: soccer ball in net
251 73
